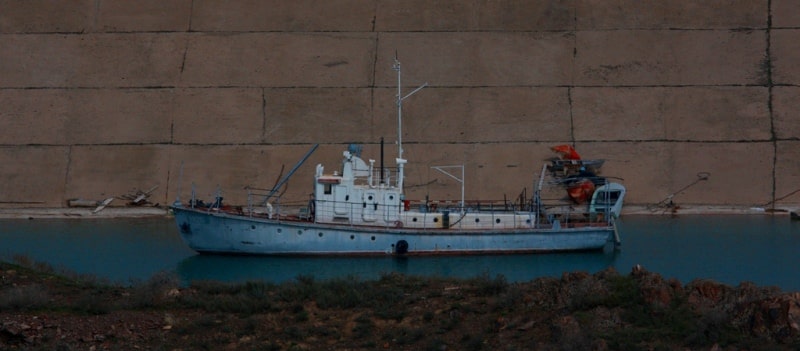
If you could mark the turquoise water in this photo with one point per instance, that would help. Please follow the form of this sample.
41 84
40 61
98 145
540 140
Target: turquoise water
120 250
729 249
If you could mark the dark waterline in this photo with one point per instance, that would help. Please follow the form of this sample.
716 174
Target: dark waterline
729 249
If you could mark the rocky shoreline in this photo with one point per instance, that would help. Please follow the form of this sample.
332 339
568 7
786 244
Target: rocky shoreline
603 311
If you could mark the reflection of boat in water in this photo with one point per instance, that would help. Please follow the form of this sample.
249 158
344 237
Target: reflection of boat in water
515 268
361 209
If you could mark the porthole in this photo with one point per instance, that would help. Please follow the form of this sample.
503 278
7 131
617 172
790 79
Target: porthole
299 232
414 219
352 237
252 227
280 230
435 219
391 197
497 220
477 220
369 198
320 234
528 221
373 238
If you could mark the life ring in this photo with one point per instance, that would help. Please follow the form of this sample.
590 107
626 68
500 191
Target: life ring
401 247
398 224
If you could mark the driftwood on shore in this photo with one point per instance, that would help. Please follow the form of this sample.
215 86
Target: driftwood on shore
136 197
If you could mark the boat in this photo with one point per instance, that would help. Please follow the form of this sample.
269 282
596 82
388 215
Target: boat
361 209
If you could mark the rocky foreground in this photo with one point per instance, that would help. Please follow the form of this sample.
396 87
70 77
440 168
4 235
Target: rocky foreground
41 310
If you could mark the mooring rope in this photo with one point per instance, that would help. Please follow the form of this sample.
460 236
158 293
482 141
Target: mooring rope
780 198
667 202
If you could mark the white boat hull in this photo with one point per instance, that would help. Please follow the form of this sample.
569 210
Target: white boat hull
218 232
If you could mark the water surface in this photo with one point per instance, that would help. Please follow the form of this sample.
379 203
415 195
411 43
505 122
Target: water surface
759 248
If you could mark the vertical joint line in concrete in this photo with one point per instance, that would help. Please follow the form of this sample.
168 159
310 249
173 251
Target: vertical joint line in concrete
263 115
572 71
66 172
571 122
172 130
770 84
375 59
169 172
574 42
372 112
183 59
374 15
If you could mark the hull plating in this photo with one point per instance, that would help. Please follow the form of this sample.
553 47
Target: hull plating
208 232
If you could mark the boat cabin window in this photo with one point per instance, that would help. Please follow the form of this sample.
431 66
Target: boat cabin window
328 189
613 195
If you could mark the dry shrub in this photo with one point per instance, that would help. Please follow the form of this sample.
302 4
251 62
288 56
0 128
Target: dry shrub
24 298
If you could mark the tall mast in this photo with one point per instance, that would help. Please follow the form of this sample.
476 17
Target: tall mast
400 160
396 67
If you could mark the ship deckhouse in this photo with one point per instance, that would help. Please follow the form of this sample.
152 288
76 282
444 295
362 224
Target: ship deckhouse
359 194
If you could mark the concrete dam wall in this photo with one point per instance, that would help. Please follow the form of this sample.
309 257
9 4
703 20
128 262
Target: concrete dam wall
100 97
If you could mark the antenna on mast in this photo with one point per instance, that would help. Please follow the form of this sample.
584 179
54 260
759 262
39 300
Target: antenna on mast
396 67
400 98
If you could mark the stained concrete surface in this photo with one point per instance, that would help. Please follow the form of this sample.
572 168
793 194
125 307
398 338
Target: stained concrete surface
98 98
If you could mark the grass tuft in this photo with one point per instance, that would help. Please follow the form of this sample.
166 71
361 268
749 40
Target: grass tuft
154 291
24 298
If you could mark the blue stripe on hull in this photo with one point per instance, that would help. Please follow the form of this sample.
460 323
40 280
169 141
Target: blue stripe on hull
223 233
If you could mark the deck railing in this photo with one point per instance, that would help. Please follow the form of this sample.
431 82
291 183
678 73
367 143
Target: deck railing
497 213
